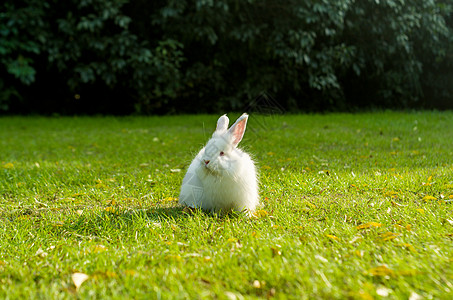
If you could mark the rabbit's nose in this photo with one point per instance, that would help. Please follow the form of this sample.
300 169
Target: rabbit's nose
206 162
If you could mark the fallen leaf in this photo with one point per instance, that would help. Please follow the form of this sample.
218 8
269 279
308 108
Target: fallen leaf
79 278
110 209
8 166
422 211
310 204
368 225
427 198
359 253
408 247
381 271
170 199
99 249
391 194
260 213
266 167
333 237
388 236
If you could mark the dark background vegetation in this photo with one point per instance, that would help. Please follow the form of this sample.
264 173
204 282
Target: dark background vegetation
177 56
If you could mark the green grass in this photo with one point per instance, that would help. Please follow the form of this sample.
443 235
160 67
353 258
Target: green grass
98 196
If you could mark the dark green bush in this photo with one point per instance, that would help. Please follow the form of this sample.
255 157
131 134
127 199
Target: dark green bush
141 56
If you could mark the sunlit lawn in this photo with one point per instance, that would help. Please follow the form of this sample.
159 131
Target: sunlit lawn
353 206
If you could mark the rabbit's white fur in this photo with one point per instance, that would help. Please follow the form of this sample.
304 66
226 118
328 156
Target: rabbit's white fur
222 177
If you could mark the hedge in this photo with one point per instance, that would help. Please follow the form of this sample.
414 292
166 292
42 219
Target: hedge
176 56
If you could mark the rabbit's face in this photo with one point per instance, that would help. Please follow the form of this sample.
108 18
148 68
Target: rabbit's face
217 157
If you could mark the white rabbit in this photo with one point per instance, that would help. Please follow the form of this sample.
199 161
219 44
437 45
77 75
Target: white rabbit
222 177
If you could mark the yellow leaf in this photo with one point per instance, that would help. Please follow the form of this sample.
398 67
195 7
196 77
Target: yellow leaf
420 211
270 153
232 240
260 213
388 236
110 209
426 198
170 199
79 278
266 167
8 166
358 253
368 225
332 237
99 249
408 247
310 204
392 194
381 271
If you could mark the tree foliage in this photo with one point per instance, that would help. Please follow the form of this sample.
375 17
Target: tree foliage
121 56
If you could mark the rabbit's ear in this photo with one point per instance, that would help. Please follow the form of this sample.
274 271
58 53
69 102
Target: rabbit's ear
237 130
222 124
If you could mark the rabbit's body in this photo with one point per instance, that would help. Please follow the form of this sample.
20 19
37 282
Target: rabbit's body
222 177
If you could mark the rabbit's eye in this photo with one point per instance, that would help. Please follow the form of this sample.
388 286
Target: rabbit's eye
222 153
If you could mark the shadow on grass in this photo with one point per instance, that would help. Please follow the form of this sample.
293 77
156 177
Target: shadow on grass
175 213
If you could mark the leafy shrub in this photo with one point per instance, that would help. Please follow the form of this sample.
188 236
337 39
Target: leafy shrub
121 56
